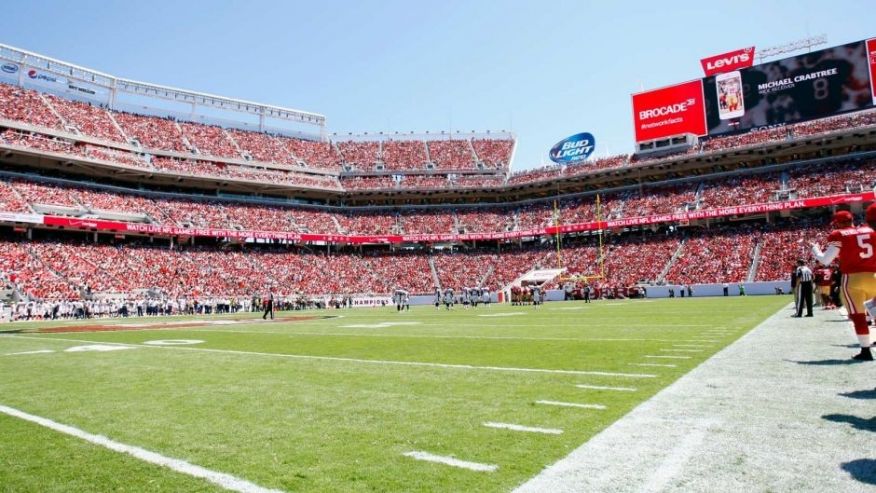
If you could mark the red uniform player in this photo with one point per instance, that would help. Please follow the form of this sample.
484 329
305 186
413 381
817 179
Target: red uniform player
824 277
857 261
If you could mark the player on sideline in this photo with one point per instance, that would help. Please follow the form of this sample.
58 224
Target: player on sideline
857 259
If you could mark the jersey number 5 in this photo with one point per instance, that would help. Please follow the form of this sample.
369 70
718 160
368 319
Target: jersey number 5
863 243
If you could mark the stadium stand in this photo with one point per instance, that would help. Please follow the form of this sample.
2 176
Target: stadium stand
404 155
64 265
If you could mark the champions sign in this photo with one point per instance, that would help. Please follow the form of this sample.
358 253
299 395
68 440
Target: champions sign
573 149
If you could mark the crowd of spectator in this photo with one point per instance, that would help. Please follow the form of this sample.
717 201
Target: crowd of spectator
494 153
26 106
166 134
427 222
362 155
11 200
404 155
451 154
152 132
839 179
478 181
801 182
423 181
210 140
721 255
367 223
30 275
90 120
68 269
368 182
240 172
664 200
484 220
757 189
321 155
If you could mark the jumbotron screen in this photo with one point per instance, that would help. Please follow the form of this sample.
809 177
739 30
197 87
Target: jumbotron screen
804 87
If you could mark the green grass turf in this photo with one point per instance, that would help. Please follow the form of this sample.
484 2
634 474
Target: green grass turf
329 422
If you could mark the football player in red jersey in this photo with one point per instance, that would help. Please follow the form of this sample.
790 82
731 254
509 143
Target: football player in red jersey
823 277
857 261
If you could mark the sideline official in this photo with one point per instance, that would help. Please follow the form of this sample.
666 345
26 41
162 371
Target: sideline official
805 280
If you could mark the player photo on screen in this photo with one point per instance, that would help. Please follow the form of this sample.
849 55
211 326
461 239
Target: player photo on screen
804 87
730 100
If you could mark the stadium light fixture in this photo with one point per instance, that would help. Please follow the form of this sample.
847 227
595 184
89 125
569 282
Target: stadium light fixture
793 46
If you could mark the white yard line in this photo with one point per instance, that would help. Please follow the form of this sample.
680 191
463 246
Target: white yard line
226 481
681 350
666 357
571 404
659 365
600 387
450 461
363 361
41 351
529 429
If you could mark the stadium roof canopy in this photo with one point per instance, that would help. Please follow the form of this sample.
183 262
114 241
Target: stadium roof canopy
70 74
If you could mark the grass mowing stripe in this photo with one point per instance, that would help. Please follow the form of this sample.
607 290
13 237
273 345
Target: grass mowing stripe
364 361
223 480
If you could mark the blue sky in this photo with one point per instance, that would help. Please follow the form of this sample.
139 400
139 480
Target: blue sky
545 69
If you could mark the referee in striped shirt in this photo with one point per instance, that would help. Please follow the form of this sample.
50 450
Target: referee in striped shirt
805 278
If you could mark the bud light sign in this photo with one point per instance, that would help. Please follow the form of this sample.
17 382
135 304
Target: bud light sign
573 149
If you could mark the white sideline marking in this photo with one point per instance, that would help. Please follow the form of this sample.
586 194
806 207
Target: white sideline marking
512 427
678 456
173 342
600 387
366 361
510 314
654 364
450 461
220 479
681 350
667 357
100 348
41 351
691 345
571 404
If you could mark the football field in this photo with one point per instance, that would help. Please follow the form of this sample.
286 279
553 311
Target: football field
340 400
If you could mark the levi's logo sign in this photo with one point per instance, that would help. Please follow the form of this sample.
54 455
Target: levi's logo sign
727 62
